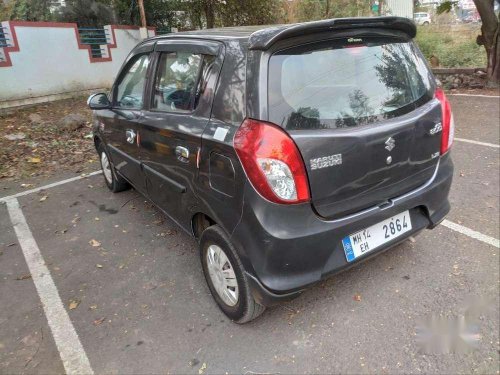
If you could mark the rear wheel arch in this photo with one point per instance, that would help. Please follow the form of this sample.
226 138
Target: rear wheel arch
246 307
199 222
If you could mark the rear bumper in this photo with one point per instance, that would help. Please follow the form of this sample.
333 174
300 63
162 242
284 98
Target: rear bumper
285 249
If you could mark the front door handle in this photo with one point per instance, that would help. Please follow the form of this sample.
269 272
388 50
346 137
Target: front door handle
130 134
182 153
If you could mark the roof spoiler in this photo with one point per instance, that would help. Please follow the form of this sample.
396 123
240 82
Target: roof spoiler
265 38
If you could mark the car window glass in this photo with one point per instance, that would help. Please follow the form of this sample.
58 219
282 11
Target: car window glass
176 82
129 92
337 84
206 69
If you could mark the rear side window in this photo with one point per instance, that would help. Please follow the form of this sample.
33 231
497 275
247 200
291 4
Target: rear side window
180 80
346 83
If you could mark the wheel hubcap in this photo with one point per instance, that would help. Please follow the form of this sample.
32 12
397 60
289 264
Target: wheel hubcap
106 168
222 275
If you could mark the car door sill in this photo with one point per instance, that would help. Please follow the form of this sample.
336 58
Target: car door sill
123 154
176 187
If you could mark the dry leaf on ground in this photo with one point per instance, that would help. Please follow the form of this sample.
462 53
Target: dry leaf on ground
40 146
94 243
24 277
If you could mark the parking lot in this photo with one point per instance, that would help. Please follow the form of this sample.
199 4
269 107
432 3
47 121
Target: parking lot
125 291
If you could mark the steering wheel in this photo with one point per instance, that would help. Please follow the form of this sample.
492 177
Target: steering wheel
130 101
177 99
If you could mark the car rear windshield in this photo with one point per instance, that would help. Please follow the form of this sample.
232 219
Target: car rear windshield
346 83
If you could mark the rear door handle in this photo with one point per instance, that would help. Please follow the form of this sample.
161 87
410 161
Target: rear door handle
130 134
182 153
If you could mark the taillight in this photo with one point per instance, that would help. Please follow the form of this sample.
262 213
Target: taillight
448 123
272 162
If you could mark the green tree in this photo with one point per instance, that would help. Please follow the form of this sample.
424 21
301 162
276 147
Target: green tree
220 13
87 13
5 10
310 10
159 13
30 10
241 13
489 37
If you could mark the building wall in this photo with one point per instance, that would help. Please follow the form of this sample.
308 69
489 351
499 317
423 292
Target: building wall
47 59
401 8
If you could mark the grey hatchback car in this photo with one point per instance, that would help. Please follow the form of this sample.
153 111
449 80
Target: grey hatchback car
289 152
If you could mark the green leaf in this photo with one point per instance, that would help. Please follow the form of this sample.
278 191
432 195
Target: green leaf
446 7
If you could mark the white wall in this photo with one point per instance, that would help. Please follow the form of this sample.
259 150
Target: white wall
51 62
401 8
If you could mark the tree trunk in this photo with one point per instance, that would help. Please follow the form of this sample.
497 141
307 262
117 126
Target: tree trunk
142 13
209 13
327 11
490 39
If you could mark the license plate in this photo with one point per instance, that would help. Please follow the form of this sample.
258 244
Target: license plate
368 239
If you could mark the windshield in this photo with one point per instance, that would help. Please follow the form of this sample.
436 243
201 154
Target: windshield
345 83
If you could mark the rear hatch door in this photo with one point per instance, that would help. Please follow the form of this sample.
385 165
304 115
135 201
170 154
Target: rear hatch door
362 113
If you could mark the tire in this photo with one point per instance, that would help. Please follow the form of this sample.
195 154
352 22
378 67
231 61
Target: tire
113 181
240 309
426 23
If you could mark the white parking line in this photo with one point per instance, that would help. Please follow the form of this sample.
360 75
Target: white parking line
471 233
45 187
476 95
72 354
477 142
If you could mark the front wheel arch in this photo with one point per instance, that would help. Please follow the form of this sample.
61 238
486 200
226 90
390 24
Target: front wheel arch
117 183
200 222
97 142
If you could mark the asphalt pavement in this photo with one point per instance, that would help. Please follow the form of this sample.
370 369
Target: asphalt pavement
132 285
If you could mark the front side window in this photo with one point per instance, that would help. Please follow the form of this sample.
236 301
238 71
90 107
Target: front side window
180 81
130 90
346 83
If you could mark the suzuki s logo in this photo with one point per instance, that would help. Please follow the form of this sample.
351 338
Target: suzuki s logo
390 144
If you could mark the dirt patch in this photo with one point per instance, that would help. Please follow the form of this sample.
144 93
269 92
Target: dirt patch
35 141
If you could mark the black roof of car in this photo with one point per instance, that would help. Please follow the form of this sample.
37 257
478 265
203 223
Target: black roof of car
261 37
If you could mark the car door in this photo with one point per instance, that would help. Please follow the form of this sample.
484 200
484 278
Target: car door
122 125
177 113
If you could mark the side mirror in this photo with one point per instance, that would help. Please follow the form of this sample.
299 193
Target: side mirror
98 101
